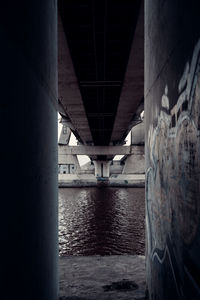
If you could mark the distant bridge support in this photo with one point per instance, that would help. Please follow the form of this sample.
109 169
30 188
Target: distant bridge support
137 134
102 168
67 163
172 148
135 164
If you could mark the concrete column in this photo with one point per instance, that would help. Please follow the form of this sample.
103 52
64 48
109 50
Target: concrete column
28 152
102 168
137 134
135 163
172 142
106 168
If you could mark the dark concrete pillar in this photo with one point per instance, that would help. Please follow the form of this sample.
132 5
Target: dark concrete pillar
102 168
172 109
28 152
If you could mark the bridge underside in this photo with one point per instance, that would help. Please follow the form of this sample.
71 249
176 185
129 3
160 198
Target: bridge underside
101 60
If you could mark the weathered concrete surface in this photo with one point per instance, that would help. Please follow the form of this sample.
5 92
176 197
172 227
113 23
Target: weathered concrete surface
100 150
137 134
79 180
134 164
87 168
69 159
102 277
73 180
102 168
172 109
116 167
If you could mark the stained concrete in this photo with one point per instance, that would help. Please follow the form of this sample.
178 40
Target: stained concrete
172 131
79 180
102 277
134 164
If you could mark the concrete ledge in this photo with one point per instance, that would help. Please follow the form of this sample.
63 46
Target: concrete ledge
78 184
121 180
100 150
102 277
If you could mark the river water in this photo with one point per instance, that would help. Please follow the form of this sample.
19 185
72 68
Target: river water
101 221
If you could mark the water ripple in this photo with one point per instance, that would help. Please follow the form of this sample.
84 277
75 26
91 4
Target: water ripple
101 221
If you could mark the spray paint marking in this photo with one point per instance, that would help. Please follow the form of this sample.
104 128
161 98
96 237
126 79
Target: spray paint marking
172 180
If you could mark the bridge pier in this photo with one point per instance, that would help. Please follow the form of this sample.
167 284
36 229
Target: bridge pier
28 155
135 163
172 148
102 168
67 163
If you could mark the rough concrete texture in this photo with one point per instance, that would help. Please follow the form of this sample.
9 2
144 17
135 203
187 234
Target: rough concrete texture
87 168
102 168
134 164
133 85
116 167
102 277
77 180
172 109
100 150
69 159
68 90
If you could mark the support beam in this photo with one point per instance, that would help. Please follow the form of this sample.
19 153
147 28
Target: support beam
102 168
137 134
68 89
100 150
133 86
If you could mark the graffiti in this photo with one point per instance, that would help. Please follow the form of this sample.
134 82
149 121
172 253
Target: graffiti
161 259
173 176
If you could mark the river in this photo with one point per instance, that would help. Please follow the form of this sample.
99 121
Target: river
101 221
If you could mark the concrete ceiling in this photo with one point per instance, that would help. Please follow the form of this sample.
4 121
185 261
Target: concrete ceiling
132 93
71 104
100 67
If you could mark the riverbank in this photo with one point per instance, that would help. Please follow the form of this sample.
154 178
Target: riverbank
115 277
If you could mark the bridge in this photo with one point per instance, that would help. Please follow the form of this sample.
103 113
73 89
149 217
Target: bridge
99 64
100 74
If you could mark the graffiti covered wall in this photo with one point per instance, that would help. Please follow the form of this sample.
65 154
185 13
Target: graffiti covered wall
172 110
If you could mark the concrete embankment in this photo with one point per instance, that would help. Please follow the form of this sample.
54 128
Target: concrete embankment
121 180
102 277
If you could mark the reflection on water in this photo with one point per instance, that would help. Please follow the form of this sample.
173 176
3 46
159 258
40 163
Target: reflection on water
101 221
